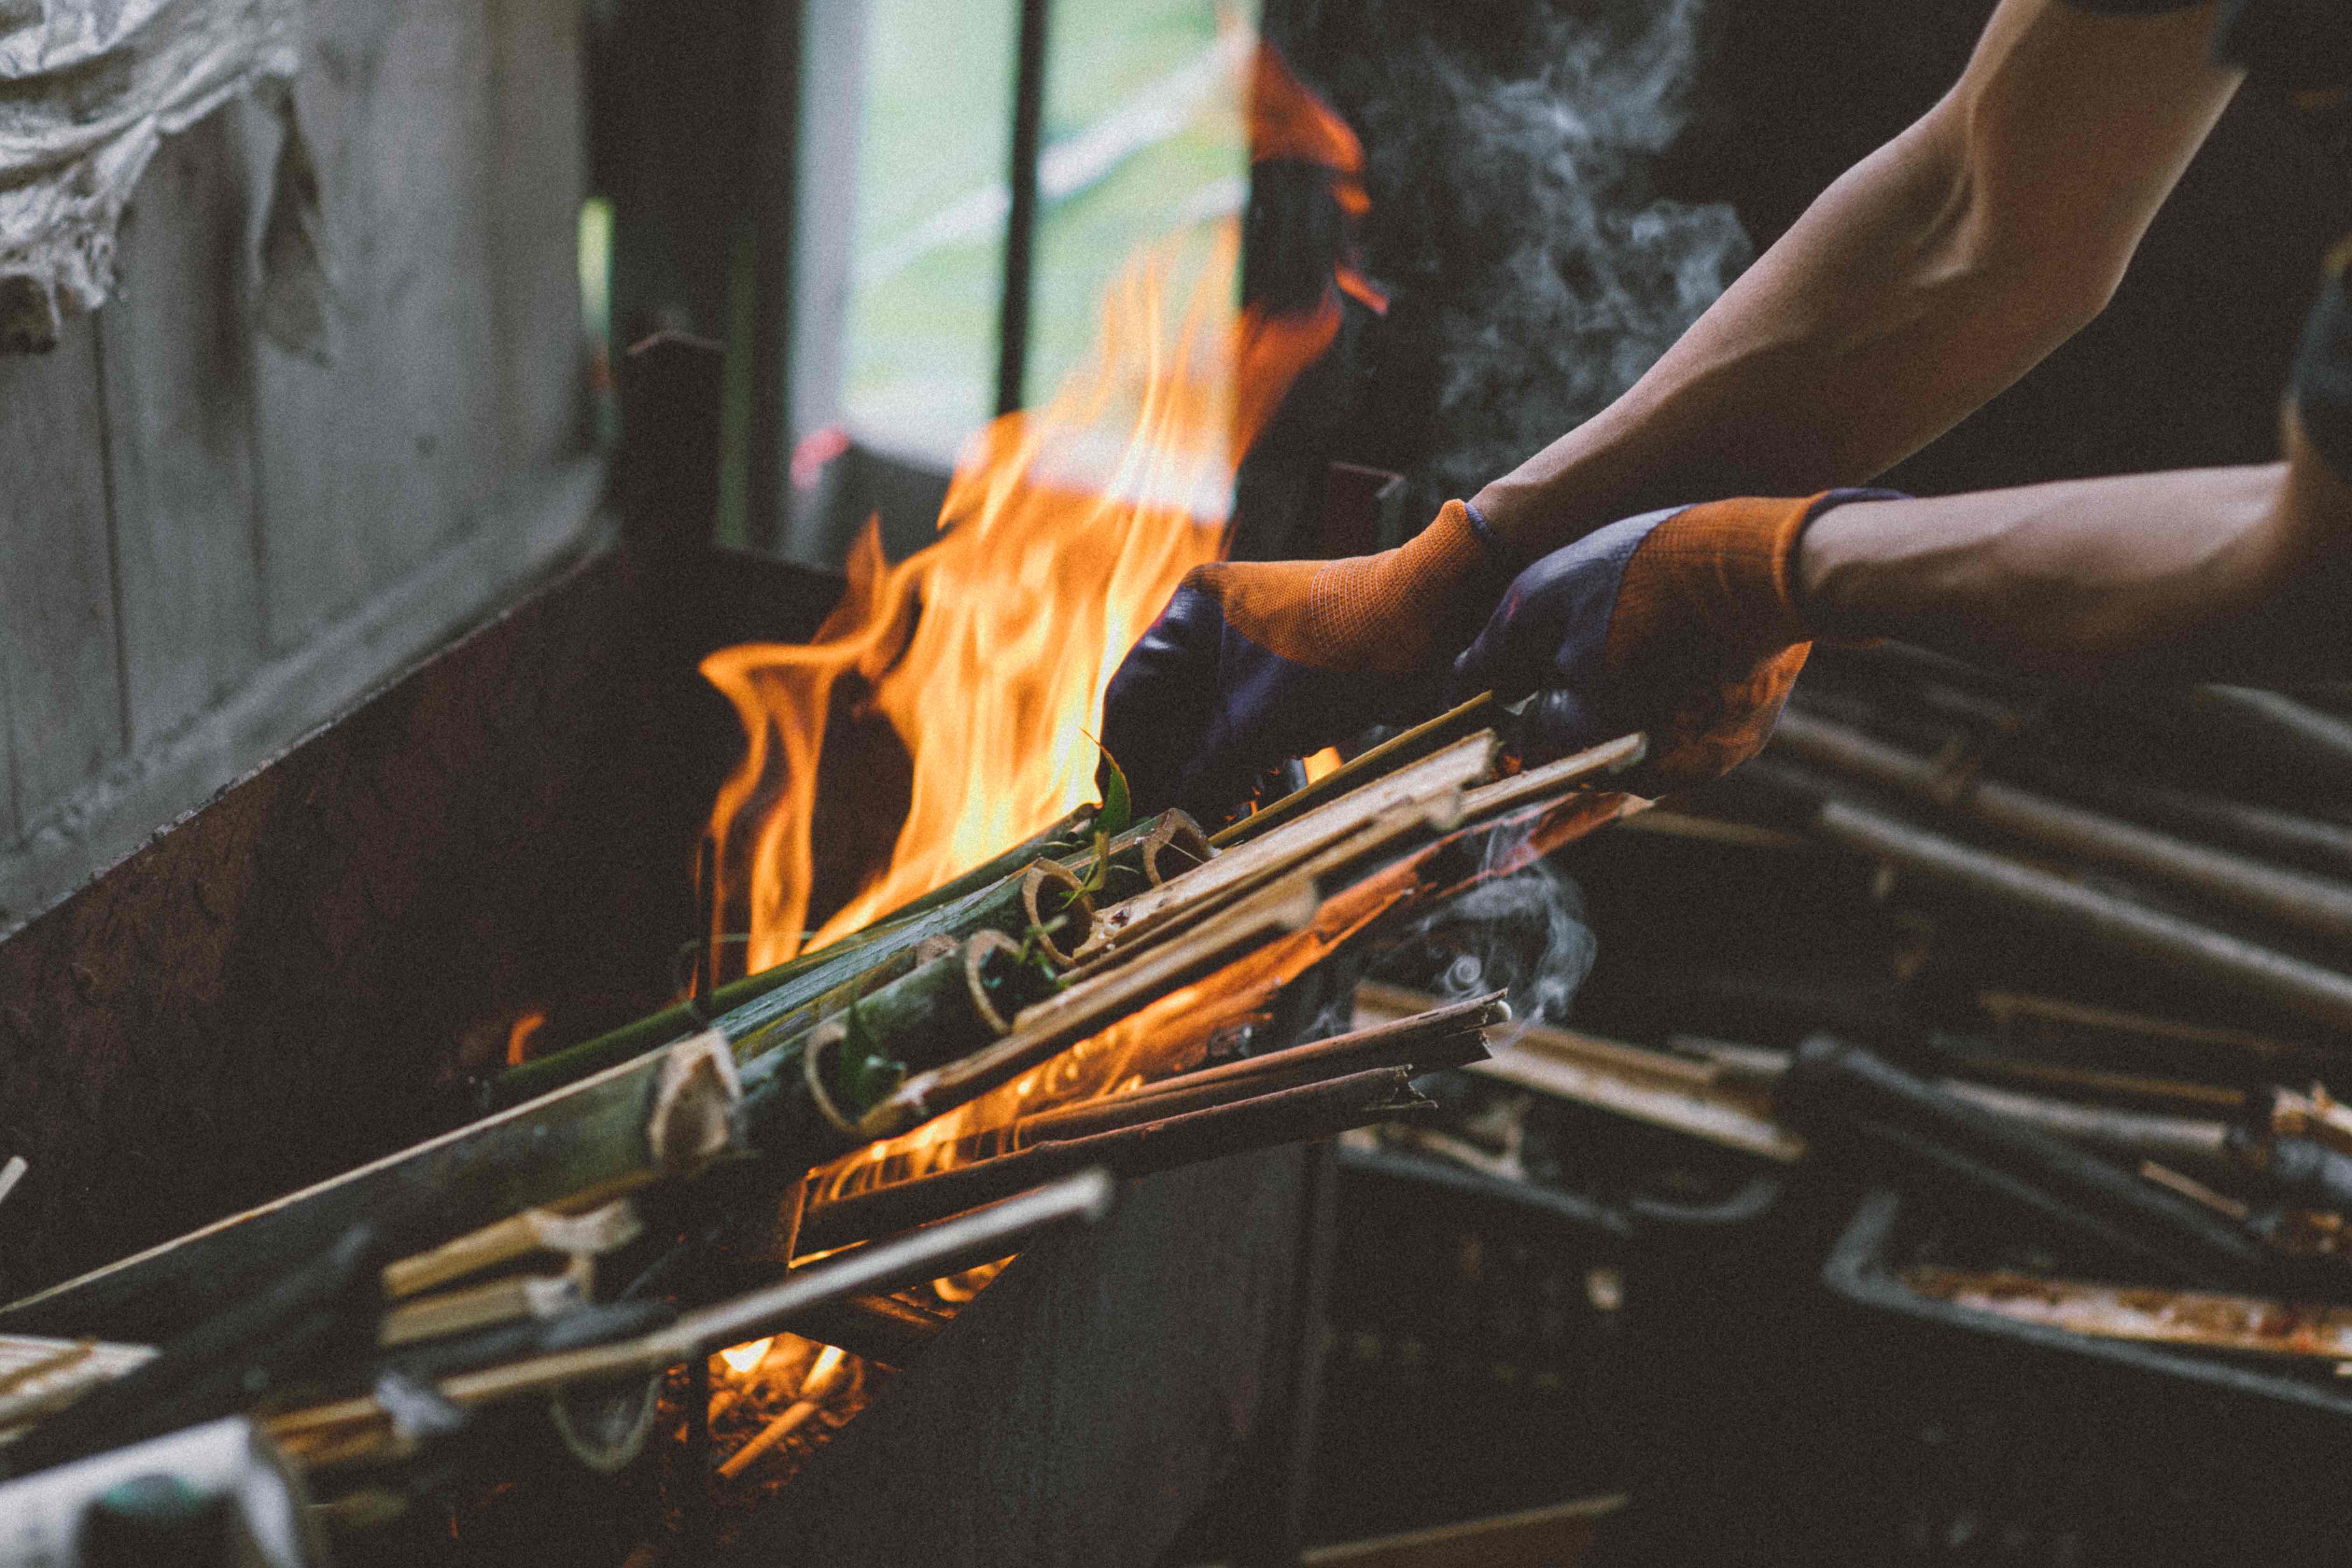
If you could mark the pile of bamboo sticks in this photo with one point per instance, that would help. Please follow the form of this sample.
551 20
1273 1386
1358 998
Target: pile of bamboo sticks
2115 937
644 1199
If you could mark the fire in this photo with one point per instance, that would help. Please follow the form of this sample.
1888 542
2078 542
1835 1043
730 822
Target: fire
740 1359
1065 529
519 1037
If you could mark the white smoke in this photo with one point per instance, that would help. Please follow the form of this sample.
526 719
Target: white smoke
1530 215
1523 933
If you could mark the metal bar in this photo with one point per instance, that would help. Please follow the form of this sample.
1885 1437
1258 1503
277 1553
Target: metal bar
1021 221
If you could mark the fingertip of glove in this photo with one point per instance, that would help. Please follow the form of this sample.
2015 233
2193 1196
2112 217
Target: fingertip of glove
1556 722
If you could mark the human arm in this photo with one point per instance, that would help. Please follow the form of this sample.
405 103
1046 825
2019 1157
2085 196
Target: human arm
1927 279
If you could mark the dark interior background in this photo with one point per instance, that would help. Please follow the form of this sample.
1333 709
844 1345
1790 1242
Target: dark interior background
2185 367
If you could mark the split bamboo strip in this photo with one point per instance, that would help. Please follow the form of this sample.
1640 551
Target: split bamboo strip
1083 1197
1554 779
471 1307
1287 1116
1390 833
1271 854
1054 1026
1394 752
600 1230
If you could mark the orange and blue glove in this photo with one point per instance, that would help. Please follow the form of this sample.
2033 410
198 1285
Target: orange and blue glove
1683 623
1252 663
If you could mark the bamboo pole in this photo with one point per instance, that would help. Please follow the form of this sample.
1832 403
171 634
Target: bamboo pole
1554 779
1394 752
2291 898
1287 1116
1055 1025
322 1434
2290 983
592 1140
1271 854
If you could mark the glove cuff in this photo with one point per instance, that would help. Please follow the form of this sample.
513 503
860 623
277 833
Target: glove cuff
1731 566
1727 565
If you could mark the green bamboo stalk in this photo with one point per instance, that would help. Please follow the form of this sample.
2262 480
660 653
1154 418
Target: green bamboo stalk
760 1010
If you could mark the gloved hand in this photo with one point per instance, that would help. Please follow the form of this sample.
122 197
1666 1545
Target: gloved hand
1252 663
1682 623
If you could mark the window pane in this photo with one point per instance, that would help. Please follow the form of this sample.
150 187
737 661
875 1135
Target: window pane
1142 134
930 221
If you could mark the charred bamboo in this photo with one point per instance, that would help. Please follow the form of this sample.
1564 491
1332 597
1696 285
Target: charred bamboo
1418 1052
1441 1036
1287 1116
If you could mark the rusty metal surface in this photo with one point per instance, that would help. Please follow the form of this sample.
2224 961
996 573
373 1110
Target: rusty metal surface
1090 1401
303 974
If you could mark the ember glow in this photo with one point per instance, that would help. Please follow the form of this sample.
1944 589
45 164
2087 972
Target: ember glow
1065 529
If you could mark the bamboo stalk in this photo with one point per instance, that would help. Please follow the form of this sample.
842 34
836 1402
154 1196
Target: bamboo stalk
1271 854
1056 1025
1440 1034
1286 1116
1553 779
1394 752
2291 898
1085 1196
2292 983
589 1140
793 996
175 1387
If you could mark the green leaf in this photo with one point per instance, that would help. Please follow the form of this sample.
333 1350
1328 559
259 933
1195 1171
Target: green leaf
1118 813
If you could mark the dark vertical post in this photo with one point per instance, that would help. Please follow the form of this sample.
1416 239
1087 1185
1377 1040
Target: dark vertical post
775 211
1021 222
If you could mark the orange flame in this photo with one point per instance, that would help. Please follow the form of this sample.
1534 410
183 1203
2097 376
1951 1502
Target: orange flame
1065 529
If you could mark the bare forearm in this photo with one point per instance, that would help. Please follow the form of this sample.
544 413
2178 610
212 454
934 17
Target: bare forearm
2215 573
1923 282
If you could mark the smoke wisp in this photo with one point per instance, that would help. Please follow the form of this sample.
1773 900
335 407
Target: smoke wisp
1515 177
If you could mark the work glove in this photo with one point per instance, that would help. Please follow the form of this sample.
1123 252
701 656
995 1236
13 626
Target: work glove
1254 662
1682 623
